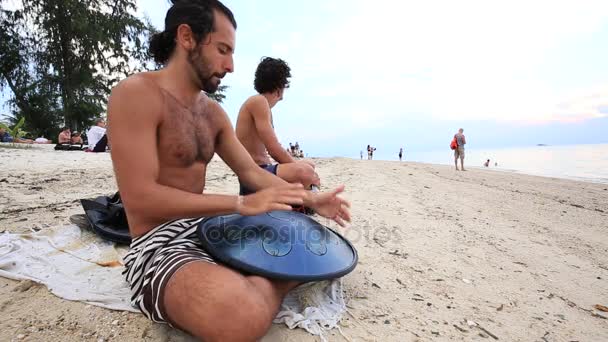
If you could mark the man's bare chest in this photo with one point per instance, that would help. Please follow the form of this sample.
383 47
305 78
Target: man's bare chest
187 136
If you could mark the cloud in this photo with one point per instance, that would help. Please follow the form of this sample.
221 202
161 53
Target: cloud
470 60
589 104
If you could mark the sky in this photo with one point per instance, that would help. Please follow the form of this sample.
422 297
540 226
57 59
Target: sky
410 73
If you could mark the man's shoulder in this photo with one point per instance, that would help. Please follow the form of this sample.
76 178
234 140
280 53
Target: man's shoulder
136 93
257 104
211 105
256 100
139 83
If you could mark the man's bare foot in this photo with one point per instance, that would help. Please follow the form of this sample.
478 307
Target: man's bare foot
464 170
457 169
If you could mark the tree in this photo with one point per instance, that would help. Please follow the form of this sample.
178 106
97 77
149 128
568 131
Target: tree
219 95
60 58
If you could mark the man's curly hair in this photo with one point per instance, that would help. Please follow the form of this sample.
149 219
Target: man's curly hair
272 74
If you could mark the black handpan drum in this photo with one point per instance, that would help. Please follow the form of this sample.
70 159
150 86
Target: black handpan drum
283 245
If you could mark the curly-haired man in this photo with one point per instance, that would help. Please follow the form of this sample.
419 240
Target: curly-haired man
255 129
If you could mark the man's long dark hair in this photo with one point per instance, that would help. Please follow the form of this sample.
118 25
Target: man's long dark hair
198 14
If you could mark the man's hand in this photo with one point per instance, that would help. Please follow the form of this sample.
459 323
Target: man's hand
274 198
307 161
315 180
332 206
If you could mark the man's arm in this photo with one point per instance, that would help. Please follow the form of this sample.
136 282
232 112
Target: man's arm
230 149
232 152
260 112
134 110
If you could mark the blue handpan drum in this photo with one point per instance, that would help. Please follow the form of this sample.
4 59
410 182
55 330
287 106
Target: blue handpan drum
284 245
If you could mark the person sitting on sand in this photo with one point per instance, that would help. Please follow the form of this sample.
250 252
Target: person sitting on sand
65 141
487 163
255 129
76 138
459 151
96 136
164 132
65 136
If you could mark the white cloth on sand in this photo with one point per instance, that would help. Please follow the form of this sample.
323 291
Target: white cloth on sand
73 265
315 307
77 265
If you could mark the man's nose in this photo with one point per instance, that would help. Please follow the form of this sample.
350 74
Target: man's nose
229 66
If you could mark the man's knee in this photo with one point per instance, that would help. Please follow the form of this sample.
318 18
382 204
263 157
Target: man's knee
246 317
241 315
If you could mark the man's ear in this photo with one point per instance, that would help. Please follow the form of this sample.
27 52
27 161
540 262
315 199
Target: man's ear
185 37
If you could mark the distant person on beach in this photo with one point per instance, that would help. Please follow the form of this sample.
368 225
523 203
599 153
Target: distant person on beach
64 140
400 153
487 163
65 136
6 137
73 143
96 136
361 153
459 151
255 128
496 164
76 138
370 152
164 131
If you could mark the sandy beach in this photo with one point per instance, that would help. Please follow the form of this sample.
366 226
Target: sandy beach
444 255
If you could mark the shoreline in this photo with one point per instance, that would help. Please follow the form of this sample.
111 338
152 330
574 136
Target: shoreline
604 181
583 162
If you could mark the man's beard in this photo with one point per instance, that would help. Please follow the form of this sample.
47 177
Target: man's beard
203 74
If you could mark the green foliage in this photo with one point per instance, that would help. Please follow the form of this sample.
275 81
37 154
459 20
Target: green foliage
16 132
219 95
60 58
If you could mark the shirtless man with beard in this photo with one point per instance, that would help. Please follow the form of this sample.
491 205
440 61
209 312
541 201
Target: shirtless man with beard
164 131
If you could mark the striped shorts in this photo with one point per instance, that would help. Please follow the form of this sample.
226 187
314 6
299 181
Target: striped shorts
154 257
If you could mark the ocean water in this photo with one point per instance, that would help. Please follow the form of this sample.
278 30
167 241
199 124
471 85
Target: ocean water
579 162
